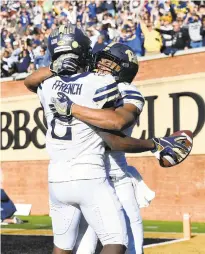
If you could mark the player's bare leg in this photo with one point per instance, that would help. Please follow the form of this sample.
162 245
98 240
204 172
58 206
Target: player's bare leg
113 249
57 250
107 249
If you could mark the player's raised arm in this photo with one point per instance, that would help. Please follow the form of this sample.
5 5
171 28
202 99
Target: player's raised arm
59 65
36 78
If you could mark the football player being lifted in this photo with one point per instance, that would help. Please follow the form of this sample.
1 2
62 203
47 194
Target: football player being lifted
127 103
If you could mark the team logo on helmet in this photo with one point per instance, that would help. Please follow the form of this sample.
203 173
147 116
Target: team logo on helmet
61 43
131 56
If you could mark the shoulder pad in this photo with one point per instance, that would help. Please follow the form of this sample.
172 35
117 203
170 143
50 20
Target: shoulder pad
130 94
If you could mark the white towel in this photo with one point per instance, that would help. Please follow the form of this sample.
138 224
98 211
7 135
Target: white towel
144 195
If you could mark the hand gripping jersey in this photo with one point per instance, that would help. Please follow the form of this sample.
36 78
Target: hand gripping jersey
116 161
73 146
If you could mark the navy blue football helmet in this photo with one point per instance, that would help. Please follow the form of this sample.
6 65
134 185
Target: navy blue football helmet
69 39
123 56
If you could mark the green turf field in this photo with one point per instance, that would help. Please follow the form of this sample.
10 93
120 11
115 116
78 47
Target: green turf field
172 226
32 222
44 222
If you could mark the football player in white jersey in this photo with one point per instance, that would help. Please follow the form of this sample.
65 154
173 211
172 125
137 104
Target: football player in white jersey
129 105
119 60
76 172
64 168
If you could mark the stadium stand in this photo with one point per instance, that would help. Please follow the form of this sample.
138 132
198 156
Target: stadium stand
148 27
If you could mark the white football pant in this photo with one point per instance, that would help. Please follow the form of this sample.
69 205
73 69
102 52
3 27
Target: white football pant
126 195
97 200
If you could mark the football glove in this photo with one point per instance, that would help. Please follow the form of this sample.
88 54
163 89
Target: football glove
65 64
61 107
172 146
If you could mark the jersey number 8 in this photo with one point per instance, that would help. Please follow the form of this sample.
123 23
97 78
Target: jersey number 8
57 130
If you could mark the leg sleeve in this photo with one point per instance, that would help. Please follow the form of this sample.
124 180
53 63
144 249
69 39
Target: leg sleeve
126 195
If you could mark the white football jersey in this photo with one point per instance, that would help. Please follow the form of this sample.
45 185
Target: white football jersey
74 142
116 161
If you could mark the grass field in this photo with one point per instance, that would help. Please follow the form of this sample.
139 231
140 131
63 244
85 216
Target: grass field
44 222
155 232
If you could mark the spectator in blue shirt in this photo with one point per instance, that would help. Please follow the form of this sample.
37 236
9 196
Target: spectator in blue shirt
43 60
104 32
100 44
110 7
36 39
24 19
130 39
92 9
3 37
49 20
23 62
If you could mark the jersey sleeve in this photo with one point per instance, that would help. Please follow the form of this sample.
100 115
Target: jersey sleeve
42 90
40 94
130 94
107 95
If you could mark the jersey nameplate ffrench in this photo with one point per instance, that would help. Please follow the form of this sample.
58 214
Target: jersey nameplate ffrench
69 88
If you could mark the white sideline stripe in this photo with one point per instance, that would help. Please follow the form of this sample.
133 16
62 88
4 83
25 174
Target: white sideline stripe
189 139
169 242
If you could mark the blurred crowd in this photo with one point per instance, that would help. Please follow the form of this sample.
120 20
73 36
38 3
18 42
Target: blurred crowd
148 27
